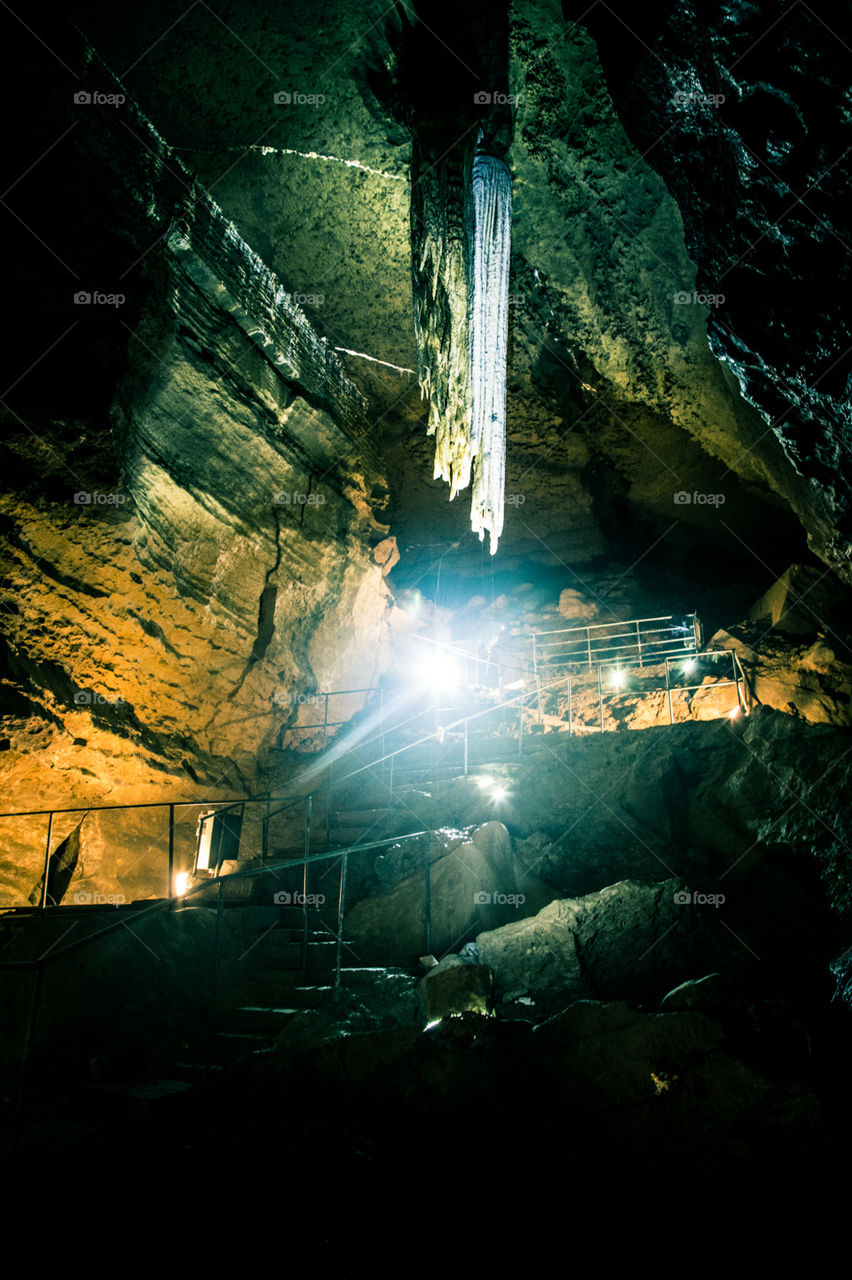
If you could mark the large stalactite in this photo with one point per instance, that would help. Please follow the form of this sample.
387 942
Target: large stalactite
488 326
461 242
460 238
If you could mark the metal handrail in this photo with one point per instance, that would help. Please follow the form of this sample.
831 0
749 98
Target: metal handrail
579 647
38 966
464 722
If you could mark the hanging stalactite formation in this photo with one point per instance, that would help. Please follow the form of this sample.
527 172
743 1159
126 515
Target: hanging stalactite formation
440 235
488 329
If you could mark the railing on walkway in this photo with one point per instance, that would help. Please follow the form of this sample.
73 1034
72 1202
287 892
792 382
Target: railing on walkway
217 885
514 715
642 641
645 641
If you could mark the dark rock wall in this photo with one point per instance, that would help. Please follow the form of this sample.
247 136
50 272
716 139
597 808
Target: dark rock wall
743 111
215 561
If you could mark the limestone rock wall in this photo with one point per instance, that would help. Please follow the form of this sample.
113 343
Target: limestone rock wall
213 560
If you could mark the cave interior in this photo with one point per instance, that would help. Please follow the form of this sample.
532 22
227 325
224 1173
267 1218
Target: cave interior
425 616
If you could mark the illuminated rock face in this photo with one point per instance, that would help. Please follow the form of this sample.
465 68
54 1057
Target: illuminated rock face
215 563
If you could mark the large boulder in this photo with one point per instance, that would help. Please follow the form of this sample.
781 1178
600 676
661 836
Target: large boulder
535 960
804 601
630 940
455 987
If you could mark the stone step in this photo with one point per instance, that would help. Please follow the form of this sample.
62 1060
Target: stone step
253 1019
140 1097
281 997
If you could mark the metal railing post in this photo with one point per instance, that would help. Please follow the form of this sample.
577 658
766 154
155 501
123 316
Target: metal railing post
308 807
46 863
735 674
217 960
328 801
428 886
341 902
171 888
382 713
264 840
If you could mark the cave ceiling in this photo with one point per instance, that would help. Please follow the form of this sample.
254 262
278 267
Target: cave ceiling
631 193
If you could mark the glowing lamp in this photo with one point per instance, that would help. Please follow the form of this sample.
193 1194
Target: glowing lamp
438 671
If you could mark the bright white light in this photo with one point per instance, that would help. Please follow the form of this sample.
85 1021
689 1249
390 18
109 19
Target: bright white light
618 678
439 671
733 713
485 782
181 883
689 666
499 794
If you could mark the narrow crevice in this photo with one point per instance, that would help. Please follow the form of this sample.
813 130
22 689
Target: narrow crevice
265 610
